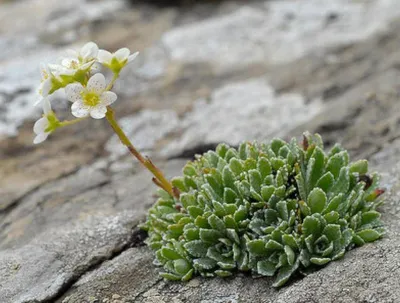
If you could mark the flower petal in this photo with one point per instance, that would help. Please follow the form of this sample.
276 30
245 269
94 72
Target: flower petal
80 110
89 50
46 106
38 101
45 87
40 138
55 67
86 65
122 54
40 125
69 62
98 112
96 83
73 92
107 98
104 56
132 57
72 53
96 68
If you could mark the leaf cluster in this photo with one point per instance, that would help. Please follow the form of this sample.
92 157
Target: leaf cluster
272 209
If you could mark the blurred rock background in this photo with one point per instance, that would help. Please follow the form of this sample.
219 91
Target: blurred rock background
208 72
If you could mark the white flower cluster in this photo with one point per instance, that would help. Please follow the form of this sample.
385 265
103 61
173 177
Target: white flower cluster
79 73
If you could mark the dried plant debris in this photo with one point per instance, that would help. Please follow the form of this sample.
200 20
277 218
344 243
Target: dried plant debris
274 209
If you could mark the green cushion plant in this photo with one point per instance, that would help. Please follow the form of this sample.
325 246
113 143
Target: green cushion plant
272 209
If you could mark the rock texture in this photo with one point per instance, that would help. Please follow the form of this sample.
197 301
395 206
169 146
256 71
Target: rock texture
223 71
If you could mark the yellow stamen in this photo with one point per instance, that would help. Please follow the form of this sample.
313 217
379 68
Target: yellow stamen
91 99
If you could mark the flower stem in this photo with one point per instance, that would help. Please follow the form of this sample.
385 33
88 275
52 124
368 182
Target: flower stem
159 178
70 122
110 85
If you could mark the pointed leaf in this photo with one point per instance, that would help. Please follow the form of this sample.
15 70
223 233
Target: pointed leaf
276 144
189 170
343 182
264 167
332 217
290 240
267 191
316 200
196 248
311 225
282 209
336 163
320 261
361 167
170 254
240 214
273 245
228 177
232 234
216 223
255 180
266 268
370 216
284 274
219 209
369 235
195 211
302 187
315 167
204 263
230 196
201 222
182 266
332 231
334 203
223 273
209 235
179 183
257 247
326 182
290 254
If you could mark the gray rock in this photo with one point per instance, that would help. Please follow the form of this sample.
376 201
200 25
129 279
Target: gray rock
145 73
279 32
66 231
76 223
145 129
248 110
38 271
366 274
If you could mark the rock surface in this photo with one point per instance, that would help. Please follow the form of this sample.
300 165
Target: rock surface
229 71
366 274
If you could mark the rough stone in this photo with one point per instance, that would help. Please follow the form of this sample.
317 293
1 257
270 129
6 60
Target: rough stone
38 271
67 207
146 128
248 110
75 225
366 274
281 31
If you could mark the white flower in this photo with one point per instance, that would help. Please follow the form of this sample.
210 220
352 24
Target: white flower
82 60
45 82
42 127
117 60
90 100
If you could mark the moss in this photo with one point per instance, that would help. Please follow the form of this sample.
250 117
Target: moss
271 209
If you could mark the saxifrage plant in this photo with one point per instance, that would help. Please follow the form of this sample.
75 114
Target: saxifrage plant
272 209
269 209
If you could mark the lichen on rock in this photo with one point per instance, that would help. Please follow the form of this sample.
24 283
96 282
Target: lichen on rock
274 209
